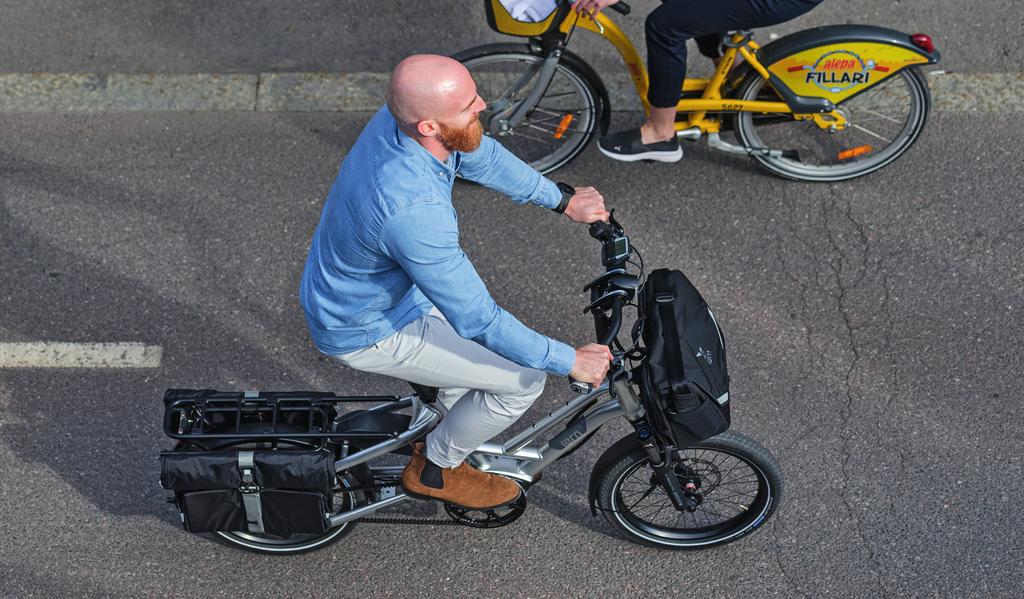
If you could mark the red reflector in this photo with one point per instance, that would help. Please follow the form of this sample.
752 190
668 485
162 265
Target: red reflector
923 42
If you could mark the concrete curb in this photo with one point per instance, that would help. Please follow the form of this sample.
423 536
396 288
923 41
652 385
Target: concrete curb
336 92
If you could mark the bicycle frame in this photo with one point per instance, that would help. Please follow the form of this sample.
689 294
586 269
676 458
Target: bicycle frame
518 458
711 99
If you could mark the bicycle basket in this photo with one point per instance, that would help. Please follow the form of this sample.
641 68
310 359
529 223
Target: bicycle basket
532 17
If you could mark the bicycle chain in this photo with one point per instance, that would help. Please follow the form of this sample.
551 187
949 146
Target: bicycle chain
435 521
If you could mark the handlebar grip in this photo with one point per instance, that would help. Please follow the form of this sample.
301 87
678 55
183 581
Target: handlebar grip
580 387
621 8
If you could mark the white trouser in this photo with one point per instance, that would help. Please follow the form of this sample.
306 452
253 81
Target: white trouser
484 393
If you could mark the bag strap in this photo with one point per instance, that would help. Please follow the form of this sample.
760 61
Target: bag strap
250 492
669 333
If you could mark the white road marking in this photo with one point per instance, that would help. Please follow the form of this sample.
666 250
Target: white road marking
79 355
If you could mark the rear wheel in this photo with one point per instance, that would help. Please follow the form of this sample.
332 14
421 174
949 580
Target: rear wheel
557 128
882 122
735 481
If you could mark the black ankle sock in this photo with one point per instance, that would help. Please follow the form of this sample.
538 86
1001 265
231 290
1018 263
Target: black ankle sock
431 475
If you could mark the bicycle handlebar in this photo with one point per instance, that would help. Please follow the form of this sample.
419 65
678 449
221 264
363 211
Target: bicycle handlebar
606 233
621 8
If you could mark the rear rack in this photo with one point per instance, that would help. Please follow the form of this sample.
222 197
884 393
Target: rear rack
191 414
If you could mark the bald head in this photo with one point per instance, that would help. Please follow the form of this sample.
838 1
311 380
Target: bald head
427 87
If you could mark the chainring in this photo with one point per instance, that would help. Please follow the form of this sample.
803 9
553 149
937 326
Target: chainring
492 518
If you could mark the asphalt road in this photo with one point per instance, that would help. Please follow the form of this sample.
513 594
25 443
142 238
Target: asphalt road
183 36
873 331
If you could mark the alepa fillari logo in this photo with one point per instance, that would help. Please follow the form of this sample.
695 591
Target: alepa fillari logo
839 70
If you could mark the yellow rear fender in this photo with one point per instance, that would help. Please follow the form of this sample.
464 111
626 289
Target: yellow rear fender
840 61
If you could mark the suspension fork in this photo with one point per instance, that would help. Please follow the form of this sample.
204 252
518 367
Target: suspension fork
660 459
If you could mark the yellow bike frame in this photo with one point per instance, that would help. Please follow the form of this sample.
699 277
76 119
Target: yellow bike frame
711 99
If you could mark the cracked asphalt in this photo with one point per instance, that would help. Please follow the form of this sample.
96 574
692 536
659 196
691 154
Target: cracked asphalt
873 328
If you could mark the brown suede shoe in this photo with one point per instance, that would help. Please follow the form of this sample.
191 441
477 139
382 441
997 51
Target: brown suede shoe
463 486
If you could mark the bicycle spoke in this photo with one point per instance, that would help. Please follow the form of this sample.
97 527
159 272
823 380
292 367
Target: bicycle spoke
871 133
645 495
532 138
879 115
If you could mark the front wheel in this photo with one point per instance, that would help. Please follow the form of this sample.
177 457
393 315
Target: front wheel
736 483
882 122
554 130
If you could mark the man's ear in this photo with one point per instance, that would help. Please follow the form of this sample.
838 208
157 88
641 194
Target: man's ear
428 128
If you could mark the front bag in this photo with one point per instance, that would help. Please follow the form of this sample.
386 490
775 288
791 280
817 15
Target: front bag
685 371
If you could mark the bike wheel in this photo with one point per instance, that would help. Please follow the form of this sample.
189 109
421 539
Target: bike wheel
736 481
882 122
557 128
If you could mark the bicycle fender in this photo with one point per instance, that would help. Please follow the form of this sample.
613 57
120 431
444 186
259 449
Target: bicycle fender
618 449
837 62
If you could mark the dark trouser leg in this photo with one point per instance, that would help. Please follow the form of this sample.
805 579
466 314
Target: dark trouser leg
666 54
670 25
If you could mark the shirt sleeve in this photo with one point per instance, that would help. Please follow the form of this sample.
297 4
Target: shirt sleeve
424 240
491 165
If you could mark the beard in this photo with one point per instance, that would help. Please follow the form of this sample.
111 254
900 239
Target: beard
465 139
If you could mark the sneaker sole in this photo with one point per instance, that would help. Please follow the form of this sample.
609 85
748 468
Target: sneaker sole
655 156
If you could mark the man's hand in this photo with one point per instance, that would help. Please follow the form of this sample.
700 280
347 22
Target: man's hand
586 206
592 362
591 7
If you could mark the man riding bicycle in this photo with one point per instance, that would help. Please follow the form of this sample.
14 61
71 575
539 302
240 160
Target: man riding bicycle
668 28
387 289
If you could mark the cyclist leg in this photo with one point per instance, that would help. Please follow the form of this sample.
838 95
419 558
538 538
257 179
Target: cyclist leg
668 28
484 392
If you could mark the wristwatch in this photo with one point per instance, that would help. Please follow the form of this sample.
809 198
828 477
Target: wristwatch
567 192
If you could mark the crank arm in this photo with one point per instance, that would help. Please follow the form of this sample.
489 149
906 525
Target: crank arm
715 142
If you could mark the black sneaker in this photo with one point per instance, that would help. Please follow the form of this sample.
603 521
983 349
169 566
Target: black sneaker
626 146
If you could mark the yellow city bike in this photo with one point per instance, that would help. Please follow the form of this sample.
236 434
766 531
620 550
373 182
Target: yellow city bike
824 104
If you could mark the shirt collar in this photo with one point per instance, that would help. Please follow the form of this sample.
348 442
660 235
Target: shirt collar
413 147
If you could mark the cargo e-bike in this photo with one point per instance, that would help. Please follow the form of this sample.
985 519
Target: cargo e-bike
239 456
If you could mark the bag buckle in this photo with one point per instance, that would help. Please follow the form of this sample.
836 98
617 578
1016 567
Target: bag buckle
248 482
664 297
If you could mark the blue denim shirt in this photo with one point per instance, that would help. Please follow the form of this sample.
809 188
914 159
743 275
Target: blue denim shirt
387 248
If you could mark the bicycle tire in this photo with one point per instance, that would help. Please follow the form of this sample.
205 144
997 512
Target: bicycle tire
622 518
798 169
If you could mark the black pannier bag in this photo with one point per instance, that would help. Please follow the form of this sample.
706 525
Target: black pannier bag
279 493
685 368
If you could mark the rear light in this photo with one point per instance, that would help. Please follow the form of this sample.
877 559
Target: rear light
923 42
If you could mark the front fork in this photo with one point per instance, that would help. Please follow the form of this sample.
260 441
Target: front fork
660 458
506 119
